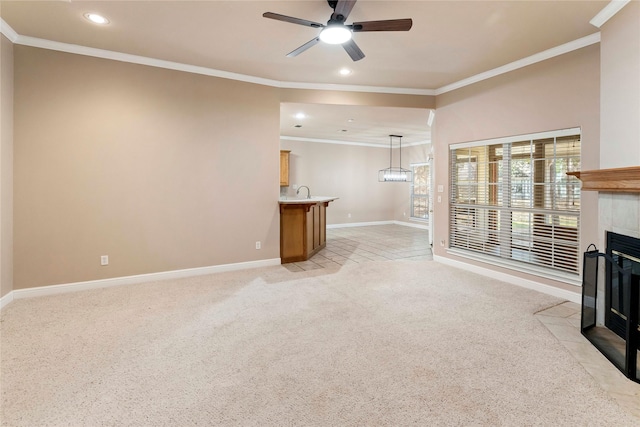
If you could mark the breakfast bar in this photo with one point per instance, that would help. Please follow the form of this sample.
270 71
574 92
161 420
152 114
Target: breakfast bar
303 227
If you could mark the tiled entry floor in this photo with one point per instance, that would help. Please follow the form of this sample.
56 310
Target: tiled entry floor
356 245
563 321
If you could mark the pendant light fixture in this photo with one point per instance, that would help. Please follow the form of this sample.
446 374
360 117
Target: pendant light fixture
392 174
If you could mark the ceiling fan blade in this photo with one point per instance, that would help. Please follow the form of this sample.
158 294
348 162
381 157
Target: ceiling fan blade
353 50
292 20
386 25
344 8
304 47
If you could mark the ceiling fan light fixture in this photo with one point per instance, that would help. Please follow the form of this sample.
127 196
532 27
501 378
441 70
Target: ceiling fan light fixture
335 34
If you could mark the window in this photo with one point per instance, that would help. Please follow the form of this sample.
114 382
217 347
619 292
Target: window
420 191
512 199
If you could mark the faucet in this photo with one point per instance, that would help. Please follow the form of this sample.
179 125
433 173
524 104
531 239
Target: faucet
308 191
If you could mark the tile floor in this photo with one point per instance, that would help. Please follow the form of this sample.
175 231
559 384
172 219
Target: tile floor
563 321
356 245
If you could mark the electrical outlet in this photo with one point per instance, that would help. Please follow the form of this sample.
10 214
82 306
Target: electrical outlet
439 199
104 260
258 245
442 242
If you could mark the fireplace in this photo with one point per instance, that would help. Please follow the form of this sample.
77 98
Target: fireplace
625 252
619 338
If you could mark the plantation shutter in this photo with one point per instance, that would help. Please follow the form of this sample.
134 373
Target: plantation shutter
511 199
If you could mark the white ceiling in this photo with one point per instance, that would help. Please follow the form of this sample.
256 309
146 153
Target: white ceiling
450 41
355 124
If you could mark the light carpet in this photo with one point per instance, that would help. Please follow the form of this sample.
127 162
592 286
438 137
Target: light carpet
383 343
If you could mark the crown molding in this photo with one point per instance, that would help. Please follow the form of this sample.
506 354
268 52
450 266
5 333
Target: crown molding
331 141
8 31
355 88
521 63
140 60
170 65
159 63
359 144
608 12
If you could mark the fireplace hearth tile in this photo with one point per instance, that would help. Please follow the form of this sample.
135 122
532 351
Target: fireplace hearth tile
566 333
626 393
585 353
553 320
625 209
561 310
605 211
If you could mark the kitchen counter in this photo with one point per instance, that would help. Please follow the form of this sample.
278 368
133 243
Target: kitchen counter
303 227
312 200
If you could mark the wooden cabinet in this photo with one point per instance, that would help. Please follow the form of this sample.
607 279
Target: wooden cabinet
303 230
284 168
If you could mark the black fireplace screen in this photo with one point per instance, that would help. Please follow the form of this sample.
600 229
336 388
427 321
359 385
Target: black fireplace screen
589 287
618 339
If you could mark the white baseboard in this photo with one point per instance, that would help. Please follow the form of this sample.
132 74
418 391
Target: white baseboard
366 224
514 280
412 224
359 224
129 280
6 299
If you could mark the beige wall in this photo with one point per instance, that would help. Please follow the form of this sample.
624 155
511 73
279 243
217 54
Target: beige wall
160 170
620 117
350 173
345 171
559 93
310 96
6 166
163 170
620 85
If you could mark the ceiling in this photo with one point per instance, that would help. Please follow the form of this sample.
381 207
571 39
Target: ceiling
449 41
355 124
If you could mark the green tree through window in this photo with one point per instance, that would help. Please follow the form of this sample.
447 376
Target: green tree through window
420 191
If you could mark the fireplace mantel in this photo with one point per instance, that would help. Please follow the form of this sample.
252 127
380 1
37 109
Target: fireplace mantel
619 180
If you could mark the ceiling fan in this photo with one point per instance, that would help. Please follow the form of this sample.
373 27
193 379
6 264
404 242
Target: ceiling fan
337 32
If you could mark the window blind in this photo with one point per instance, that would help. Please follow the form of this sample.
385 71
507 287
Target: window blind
513 200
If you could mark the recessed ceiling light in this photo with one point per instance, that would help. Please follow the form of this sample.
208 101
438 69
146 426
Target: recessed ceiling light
351 120
96 19
300 116
345 72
